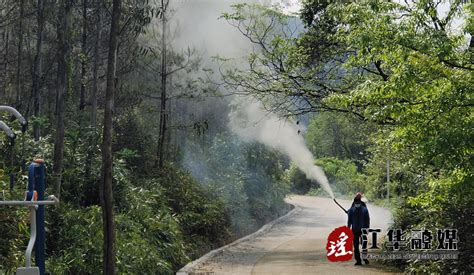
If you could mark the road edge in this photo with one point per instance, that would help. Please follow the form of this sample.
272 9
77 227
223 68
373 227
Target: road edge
187 269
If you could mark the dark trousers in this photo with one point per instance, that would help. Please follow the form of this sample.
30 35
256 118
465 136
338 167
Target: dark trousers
356 242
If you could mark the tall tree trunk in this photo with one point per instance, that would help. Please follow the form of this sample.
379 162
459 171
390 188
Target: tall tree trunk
5 58
95 69
19 53
107 198
93 98
37 70
82 97
64 11
162 129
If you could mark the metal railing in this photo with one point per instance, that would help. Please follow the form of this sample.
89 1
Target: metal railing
50 201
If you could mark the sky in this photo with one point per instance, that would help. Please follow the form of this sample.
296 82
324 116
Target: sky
288 6
198 26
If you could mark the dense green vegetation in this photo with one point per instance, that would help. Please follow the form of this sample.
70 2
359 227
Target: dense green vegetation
134 130
405 72
164 217
181 187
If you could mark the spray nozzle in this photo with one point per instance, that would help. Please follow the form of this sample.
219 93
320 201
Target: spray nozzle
334 199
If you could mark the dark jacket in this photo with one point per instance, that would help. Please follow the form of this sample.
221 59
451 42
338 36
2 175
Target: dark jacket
358 218
363 204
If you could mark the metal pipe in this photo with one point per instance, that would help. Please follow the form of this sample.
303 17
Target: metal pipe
7 130
39 186
340 205
27 203
15 113
51 201
32 241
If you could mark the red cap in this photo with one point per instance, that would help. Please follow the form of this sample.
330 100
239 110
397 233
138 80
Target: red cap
39 161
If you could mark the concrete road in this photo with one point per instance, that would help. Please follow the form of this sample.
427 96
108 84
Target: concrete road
294 245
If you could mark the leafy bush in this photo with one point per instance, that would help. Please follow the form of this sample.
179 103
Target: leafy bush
449 203
149 239
264 184
332 134
247 177
14 238
298 181
74 239
343 175
201 215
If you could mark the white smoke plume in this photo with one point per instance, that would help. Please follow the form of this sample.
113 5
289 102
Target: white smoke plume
251 122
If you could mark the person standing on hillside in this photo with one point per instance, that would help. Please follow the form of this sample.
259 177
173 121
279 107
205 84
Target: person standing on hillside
358 218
